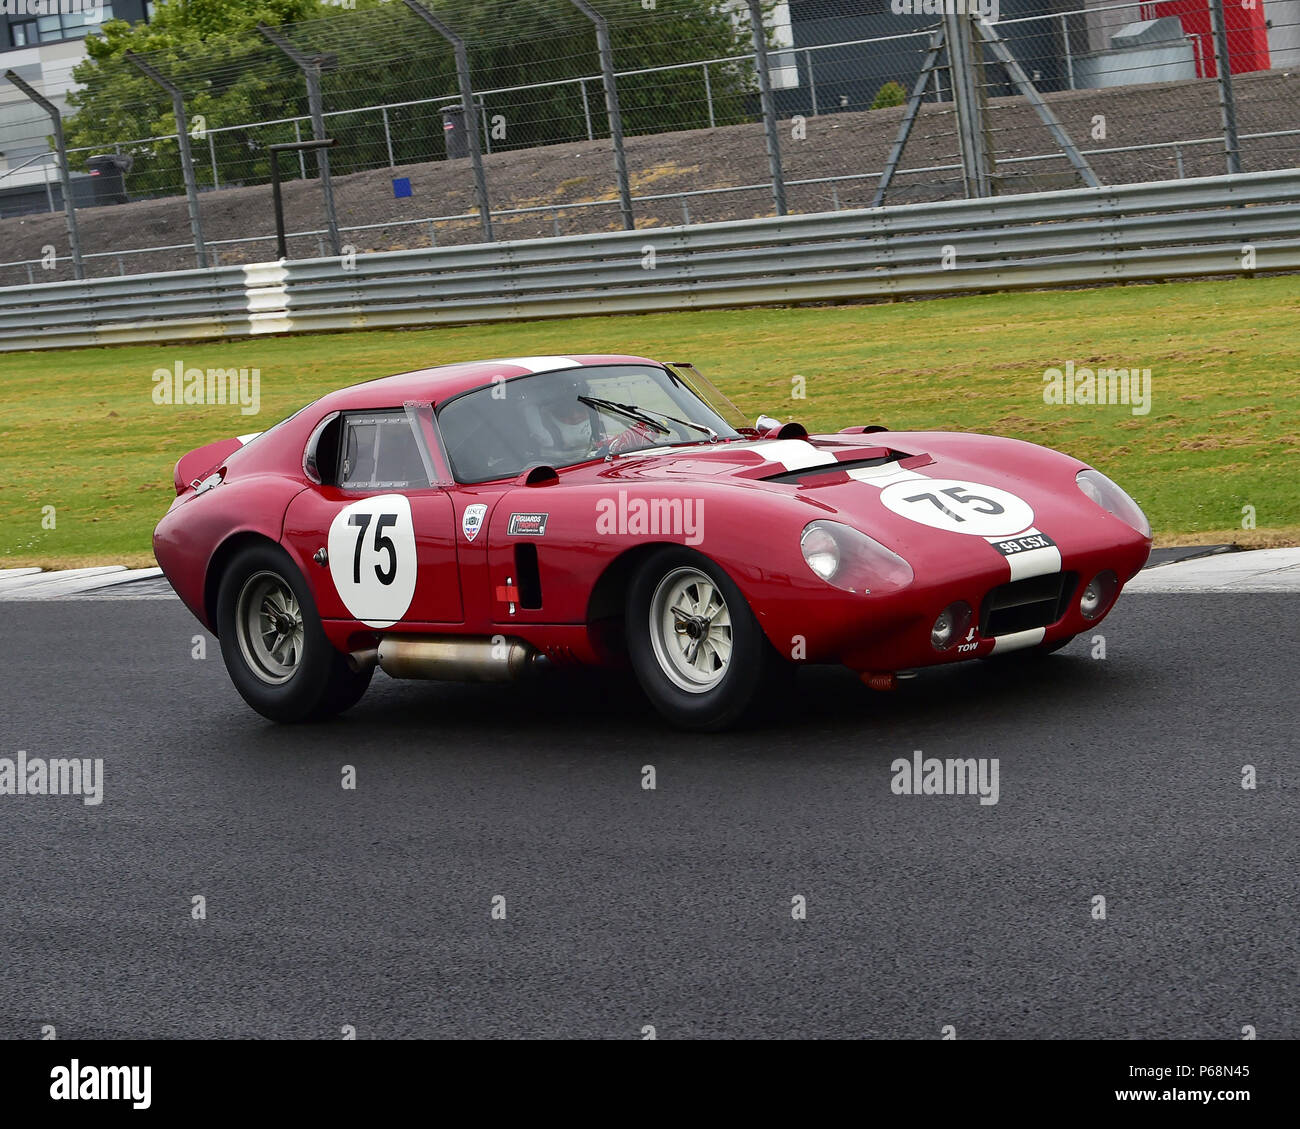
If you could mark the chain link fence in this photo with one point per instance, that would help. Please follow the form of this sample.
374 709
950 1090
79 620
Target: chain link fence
870 102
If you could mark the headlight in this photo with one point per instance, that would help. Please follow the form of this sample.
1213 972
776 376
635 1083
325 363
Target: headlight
849 559
951 625
1099 595
821 551
1112 499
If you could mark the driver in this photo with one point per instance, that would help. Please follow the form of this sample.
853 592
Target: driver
564 427
562 424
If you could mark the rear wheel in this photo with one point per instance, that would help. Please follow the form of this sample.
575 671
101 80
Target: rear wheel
275 649
695 646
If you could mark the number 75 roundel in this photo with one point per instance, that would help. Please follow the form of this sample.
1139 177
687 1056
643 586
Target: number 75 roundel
959 507
372 558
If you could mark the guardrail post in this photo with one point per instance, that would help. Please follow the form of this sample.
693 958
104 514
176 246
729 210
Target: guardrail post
183 142
769 105
65 177
606 50
467 108
1223 72
311 68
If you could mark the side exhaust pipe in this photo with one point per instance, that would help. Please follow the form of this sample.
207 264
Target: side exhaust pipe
361 661
453 658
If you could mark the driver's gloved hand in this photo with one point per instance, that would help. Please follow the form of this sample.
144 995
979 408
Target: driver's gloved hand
635 438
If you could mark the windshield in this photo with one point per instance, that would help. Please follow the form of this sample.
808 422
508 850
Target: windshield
568 417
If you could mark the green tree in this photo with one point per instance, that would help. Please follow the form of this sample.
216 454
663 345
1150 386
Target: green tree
891 94
379 52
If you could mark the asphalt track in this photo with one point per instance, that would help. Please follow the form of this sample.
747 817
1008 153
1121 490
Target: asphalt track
371 908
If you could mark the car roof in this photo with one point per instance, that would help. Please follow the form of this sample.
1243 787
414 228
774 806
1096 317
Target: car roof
445 381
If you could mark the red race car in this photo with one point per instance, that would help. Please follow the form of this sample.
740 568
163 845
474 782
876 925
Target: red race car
479 521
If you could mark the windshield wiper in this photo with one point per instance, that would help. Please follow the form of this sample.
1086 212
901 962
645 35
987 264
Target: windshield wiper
713 435
629 410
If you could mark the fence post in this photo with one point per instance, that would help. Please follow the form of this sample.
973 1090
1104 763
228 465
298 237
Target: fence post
65 177
467 109
1069 54
212 150
606 50
586 109
183 142
311 68
965 64
769 105
1223 72
388 137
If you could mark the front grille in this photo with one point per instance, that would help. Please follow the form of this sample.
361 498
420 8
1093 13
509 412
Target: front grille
1037 601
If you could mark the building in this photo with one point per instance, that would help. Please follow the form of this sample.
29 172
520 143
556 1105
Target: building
42 41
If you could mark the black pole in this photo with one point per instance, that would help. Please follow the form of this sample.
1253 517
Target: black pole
277 200
1223 75
282 252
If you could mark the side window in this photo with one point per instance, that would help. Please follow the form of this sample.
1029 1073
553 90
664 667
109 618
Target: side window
379 451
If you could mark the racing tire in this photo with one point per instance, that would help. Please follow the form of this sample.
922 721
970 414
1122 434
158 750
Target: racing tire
275 650
693 643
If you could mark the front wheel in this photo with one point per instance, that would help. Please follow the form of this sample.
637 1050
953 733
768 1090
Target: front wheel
695 646
275 649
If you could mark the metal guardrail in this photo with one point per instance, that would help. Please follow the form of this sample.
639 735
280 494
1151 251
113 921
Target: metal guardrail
1225 225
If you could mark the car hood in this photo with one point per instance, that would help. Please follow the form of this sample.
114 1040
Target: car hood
914 491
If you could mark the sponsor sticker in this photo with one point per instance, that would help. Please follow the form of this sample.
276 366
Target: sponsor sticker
528 525
471 521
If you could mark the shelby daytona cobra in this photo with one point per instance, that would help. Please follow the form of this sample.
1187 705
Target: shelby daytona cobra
479 521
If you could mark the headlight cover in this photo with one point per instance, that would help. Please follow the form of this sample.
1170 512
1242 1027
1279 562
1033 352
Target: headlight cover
849 559
1112 499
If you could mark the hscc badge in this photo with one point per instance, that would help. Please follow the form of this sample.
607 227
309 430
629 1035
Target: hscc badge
528 525
471 520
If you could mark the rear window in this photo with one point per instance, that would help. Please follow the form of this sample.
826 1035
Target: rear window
379 451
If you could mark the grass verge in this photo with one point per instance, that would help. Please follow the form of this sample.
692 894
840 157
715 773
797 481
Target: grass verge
80 432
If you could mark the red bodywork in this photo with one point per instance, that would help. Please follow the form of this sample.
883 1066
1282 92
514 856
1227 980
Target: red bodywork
749 523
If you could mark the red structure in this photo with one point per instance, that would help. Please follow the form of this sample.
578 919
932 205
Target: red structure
1247 33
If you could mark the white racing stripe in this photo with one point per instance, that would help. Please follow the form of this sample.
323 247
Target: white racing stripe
540 364
1032 562
1018 640
793 454
886 474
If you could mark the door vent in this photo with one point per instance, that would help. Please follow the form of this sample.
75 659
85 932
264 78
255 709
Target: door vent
527 577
